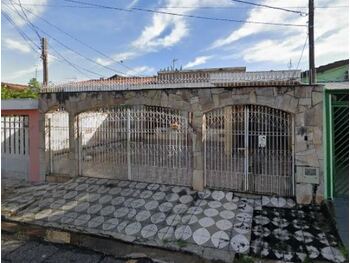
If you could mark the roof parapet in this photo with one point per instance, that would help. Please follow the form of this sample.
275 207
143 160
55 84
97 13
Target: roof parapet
178 80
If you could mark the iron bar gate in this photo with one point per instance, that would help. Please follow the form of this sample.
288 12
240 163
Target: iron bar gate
248 148
57 142
142 143
15 145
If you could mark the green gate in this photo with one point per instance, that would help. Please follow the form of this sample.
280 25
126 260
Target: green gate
337 143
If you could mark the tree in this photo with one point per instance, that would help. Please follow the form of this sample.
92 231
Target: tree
34 85
31 92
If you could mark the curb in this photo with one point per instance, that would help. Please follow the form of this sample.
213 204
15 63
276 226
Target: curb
107 246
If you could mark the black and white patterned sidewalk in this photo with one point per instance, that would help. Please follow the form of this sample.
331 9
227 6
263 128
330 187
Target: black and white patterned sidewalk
171 216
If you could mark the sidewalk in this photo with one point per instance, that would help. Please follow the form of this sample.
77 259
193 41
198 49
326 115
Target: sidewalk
211 224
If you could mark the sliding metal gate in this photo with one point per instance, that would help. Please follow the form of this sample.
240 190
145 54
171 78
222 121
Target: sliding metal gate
142 143
248 148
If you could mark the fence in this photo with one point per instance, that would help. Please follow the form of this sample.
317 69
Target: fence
141 143
172 80
15 145
247 148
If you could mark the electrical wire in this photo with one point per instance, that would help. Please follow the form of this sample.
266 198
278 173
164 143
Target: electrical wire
74 51
25 37
302 52
81 42
184 7
183 15
26 17
75 66
269 6
63 59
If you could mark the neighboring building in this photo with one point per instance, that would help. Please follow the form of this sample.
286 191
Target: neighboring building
20 138
14 86
333 72
254 132
336 152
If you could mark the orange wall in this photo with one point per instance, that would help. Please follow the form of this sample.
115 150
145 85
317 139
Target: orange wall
34 163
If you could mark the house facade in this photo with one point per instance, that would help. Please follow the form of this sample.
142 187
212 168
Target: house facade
250 132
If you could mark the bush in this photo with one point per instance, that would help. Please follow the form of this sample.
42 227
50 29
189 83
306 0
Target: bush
31 92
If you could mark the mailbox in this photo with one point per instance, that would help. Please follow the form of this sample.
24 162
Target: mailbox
307 174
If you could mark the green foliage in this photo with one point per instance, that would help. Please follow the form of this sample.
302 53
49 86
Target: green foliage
244 259
344 250
31 92
307 259
34 85
181 243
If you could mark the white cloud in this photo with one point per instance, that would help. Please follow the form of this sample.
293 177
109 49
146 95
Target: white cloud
36 7
265 15
132 4
141 70
14 76
197 61
116 57
280 44
16 45
164 31
152 36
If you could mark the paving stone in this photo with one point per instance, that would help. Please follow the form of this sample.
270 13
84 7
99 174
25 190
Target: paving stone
165 214
8 247
24 251
111 260
74 256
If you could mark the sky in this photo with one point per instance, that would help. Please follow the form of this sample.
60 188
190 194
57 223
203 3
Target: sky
89 42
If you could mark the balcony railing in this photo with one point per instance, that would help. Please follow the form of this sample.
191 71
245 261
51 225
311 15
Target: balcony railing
177 80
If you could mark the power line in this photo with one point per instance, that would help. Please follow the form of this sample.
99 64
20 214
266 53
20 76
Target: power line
26 17
74 51
269 6
302 52
26 38
183 15
81 42
183 7
75 66
63 59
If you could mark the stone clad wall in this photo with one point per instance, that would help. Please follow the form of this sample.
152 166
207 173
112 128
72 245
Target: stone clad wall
303 102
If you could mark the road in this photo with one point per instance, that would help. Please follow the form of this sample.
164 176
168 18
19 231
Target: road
17 250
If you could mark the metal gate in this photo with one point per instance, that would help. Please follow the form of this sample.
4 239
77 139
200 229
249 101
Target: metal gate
340 135
15 145
57 142
248 148
142 143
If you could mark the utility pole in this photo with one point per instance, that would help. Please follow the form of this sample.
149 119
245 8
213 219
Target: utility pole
173 64
312 72
44 58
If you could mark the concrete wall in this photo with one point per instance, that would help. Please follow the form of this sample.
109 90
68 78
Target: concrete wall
303 102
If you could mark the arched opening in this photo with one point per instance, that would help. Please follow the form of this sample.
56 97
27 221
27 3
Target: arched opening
249 148
57 142
142 143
